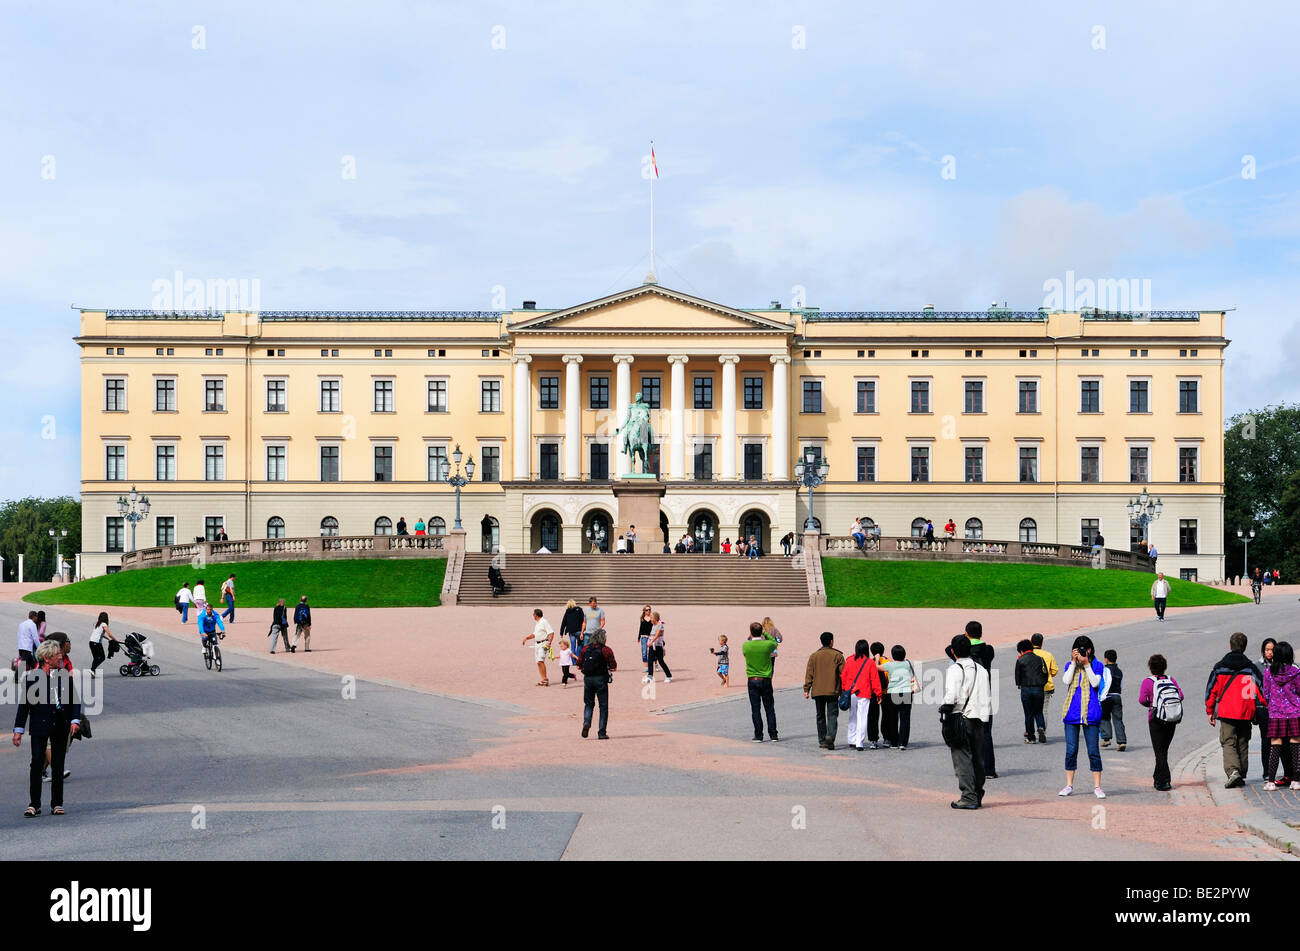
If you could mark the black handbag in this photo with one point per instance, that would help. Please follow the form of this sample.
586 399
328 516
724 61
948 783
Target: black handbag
952 722
846 696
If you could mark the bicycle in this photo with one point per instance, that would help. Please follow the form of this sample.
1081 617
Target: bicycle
212 651
1256 589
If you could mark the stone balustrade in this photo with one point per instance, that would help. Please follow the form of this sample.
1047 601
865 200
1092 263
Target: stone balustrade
975 549
313 548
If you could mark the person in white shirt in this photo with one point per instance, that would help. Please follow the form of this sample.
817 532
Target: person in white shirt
1160 594
184 598
228 596
200 598
542 634
967 691
28 639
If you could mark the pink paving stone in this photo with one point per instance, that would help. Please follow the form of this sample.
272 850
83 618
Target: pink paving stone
475 653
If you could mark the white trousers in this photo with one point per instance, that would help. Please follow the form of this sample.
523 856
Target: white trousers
858 720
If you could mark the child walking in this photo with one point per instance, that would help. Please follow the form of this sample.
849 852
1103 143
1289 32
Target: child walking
566 660
1112 708
723 654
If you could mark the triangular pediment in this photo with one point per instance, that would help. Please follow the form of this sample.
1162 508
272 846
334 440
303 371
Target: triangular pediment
652 308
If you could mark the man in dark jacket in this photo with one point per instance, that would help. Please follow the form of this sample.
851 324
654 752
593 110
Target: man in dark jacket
1031 676
302 625
597 664
48 709
822 681
982 654
1230 697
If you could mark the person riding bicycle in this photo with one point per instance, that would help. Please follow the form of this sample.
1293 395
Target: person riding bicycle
209 623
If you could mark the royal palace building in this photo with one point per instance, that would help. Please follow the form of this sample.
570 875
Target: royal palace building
1030 426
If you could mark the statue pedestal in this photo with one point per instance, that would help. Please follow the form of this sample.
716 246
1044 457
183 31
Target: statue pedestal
638 504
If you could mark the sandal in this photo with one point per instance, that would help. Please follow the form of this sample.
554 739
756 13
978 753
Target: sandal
543 683
57 811
31 812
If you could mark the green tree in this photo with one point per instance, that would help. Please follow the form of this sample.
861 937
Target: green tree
1289 518
1261 454
25 527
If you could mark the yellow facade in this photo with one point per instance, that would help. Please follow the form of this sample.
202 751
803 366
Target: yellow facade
253 408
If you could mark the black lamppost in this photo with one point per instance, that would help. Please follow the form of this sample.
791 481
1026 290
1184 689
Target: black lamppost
596 535
1245 555
63 533
135 509
458 481
811 472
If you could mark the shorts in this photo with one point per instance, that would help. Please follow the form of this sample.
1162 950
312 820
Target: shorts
724 669
539 653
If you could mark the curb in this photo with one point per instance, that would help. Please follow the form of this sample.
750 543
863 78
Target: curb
1255 821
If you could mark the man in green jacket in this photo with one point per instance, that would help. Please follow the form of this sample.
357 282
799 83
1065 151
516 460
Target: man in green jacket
822 682
758 652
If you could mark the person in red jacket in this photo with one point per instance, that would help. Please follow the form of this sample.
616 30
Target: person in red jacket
1231 694
861 678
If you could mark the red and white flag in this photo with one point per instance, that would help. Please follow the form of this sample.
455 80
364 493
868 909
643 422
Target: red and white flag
653 163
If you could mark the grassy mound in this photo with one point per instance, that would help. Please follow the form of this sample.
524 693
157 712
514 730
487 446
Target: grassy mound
360 583
852 582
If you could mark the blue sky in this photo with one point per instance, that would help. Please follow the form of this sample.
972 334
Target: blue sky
799 144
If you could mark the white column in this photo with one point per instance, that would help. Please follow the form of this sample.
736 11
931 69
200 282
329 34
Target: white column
728 454
677 462
21 566
572 418
523 411
623 394
780 418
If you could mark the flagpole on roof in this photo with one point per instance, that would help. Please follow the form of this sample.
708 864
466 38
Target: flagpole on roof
654 173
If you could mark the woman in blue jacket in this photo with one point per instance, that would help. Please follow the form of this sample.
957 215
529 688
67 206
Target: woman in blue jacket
1087 681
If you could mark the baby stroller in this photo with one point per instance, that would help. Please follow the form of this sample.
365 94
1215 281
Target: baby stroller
134 645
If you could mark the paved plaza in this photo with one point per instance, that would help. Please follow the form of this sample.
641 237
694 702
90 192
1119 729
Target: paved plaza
448 750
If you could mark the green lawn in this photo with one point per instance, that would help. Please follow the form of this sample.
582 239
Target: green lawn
852 582
359 583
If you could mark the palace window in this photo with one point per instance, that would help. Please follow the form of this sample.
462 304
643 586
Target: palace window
598 392
115 394
549 388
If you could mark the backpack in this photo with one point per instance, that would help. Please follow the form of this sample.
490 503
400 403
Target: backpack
1166 703
593 661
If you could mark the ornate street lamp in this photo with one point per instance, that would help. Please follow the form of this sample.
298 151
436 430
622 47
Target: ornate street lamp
134 509
1144 510
63 533
458 481
1245 555
811 473
596 535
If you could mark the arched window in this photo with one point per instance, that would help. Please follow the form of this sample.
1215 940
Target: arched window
383 525
918 527
275 527
1028 530
329 525
974 528
437 525
869 524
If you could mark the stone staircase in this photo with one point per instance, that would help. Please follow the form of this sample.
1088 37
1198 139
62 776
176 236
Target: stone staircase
544 580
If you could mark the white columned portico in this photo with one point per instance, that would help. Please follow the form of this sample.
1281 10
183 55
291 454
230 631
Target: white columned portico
728 453
623 393
780 418
572 418
523 407
677 464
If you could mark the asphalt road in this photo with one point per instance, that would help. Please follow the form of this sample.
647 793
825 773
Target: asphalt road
266 761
